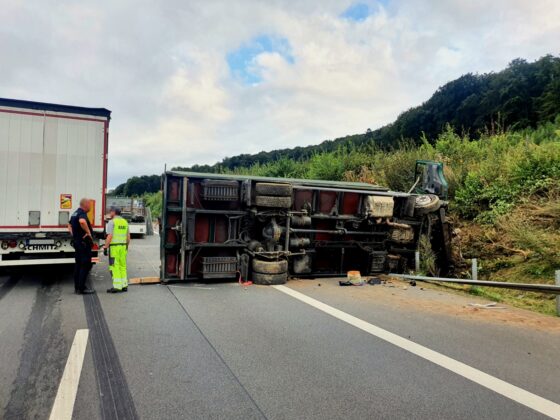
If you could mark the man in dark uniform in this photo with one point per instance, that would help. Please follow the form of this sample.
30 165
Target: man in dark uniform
81 231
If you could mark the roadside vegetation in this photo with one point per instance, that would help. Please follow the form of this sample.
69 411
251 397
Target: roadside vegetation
154 202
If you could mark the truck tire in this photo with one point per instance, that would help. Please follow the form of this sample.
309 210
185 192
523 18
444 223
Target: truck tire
277 190
270 267
269 279
270 201
426 203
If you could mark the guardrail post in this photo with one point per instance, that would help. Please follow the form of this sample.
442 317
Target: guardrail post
474 269
417 261
557 278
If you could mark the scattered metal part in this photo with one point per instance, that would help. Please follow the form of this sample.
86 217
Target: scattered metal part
491 305
374 280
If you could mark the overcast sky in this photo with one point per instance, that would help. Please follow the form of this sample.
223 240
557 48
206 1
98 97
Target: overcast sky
190 82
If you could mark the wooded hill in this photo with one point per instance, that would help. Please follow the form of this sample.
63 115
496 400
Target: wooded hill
522 95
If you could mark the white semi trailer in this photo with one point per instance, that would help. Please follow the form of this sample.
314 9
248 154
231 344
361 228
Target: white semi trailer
51 156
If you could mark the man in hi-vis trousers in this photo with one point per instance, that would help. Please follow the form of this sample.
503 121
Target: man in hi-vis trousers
118 238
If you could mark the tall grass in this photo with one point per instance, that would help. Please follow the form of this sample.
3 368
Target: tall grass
154 201
487 177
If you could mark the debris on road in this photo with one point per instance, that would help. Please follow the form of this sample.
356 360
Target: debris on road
349 283
491 305
144 280
244 283
374 280
354 278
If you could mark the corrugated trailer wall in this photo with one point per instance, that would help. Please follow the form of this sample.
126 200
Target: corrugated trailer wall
21 159
45 160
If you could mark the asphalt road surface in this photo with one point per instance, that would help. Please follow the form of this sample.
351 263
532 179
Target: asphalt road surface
313 350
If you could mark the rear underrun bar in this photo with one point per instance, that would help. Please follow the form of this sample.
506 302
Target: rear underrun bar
37 261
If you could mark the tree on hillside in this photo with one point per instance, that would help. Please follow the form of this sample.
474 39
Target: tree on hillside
138 185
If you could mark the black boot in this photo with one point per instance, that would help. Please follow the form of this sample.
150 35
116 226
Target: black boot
87 291
113 290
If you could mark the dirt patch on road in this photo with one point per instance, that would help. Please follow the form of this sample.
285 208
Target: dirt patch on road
433 299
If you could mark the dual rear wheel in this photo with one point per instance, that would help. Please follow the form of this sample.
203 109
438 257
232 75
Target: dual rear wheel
273 195
270 272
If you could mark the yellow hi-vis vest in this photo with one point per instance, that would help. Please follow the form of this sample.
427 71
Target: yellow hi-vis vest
120 231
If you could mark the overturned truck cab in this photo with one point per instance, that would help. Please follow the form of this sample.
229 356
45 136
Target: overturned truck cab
267 229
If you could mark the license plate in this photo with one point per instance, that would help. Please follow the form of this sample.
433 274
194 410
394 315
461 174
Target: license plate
40 242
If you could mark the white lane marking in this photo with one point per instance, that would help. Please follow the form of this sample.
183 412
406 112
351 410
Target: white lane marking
190 287
68 387
540 404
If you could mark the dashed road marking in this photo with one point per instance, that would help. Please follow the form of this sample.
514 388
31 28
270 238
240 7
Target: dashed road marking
528 399
68 387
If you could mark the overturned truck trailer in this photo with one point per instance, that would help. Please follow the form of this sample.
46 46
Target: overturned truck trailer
266 229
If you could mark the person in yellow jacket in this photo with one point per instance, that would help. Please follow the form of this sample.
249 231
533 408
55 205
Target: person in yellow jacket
116 243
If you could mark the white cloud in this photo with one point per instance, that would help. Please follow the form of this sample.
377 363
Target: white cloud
162 69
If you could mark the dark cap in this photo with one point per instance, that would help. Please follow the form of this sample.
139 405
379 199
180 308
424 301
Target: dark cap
117 210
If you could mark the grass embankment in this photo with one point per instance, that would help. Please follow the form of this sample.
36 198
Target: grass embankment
522 246
504 199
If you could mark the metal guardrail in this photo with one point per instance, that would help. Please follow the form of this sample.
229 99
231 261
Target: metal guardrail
542 288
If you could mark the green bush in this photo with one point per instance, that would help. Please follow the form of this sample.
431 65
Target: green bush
514 167
396 169
154 202
329 166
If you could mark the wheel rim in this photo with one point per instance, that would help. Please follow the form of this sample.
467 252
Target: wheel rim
423 200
